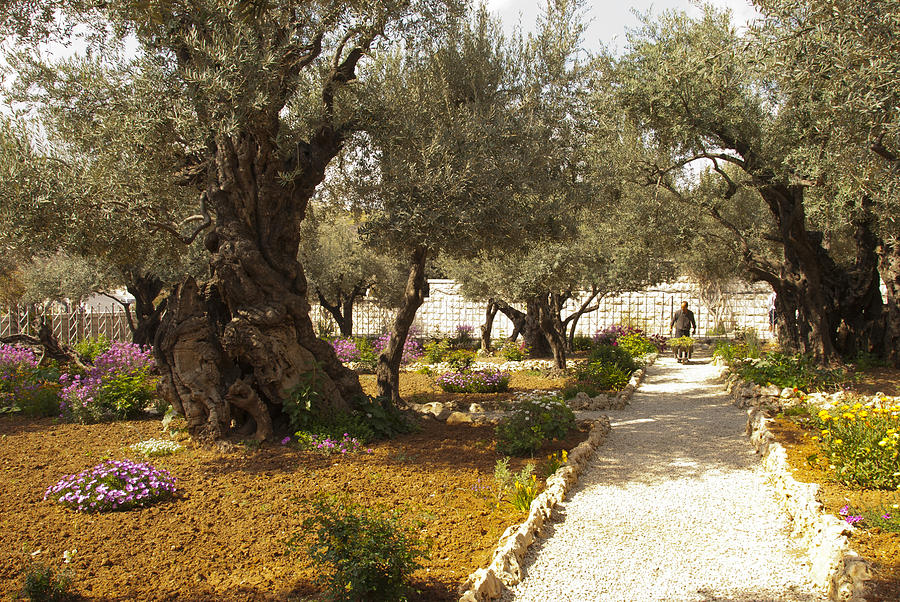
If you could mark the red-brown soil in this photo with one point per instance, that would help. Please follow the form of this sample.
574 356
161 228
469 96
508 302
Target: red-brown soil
224 537
881 549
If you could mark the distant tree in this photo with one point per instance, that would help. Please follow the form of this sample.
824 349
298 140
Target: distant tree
341 268
470 151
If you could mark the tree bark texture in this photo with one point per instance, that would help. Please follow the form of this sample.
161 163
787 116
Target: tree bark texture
388 370
231 349
488 326
515 316
147 313
889 267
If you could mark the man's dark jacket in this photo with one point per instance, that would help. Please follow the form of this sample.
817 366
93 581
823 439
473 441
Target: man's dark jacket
684 320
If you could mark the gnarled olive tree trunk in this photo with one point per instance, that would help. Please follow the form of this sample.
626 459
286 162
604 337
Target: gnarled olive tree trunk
487 328
889 267
231 349
147 313
388 370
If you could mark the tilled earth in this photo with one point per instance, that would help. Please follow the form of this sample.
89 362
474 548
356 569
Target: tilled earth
880 548
225 536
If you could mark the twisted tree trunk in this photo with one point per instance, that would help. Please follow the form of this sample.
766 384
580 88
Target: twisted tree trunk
231 349
342 309
488 326
388 370
147 313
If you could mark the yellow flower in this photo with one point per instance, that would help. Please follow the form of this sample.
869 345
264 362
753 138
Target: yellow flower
838 441
857 406
848 416
863 414
882 443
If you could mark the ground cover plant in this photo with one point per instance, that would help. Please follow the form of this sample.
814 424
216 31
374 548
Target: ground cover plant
860 443
791 371
112 485
120 384
225 537
532 424
25 385
474 381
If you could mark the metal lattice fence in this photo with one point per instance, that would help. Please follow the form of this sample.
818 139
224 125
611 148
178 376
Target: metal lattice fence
69 327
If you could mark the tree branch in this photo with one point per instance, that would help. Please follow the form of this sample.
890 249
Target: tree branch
174 229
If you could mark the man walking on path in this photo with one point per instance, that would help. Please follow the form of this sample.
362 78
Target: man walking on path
683 321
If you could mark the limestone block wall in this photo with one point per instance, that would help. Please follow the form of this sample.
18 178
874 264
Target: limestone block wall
743 306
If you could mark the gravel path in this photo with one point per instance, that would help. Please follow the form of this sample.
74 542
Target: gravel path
675 506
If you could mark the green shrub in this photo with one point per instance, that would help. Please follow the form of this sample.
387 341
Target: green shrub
370 552
460 359
613 354
514 352
603 376
636 344
92 347
573 389
861 444
731 351
43 583
792 371
532 424
582 343
436 351
128 393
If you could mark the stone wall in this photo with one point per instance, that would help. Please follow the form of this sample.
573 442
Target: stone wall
743 306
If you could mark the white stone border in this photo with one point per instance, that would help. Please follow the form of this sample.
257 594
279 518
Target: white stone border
505 568
834 565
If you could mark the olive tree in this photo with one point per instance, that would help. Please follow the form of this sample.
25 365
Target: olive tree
268 93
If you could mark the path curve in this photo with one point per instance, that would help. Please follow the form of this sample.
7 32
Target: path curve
675 506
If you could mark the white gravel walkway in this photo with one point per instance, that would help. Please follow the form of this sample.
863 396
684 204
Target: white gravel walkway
675 506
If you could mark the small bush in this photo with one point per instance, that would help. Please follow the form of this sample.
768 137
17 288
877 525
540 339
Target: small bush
602 376
514 352
613 354
581 343
112 485
532 424
370 553
479 381
791 371
436 351
92 347
346 350
119 385
731 351
610 335
43 583
26 386
636 344
463 338
587 387
861 444
460 359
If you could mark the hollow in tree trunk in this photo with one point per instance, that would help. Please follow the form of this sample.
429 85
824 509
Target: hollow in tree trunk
231 349
388 371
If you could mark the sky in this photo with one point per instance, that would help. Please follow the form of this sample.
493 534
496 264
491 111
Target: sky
608 19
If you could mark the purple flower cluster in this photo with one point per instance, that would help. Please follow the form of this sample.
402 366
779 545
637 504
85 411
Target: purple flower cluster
464 331
112 485
610 334
851 519
81 394
328 446
478 381
412 349
124 357
13 357
346 350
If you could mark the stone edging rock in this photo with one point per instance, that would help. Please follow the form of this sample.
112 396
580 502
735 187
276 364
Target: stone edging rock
833 564
505 568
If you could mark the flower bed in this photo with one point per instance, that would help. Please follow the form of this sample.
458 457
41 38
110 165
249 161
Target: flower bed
476 381
112 485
